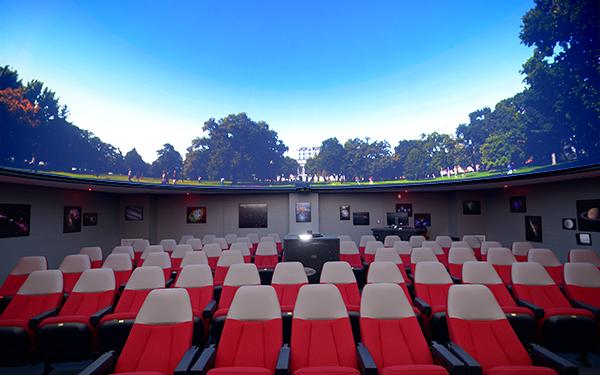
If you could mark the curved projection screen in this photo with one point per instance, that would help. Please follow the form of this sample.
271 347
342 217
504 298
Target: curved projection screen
267 95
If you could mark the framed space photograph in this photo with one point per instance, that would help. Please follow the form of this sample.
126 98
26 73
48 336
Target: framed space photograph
195 215
533 228
252 215
471 208
404 207
14 220
344 212
588 215
422 220
134 213
360 218
72 219
90 219
303 213
584 239
518 204
569 223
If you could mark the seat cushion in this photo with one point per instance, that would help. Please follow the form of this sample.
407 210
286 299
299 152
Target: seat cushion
327 370
519 370
239 371
414 370
567 311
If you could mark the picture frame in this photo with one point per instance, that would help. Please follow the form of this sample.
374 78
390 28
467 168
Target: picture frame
360 218
471 207
303 212
15 220
253 215
422 220
405 207
195 215
588 215
584 239
569 223
518 204
72 219
90 219
345 212
134 213
533 229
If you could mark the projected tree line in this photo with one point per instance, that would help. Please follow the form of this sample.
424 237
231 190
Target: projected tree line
555 119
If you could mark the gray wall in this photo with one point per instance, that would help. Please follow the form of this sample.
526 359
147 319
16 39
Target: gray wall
164 215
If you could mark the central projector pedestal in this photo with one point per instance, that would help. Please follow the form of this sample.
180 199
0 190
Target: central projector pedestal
312 251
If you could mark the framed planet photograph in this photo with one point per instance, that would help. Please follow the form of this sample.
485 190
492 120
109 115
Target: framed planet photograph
360 218
569 223
90 219
422 220
405 207
14 220
588 215
518 204
344 212
72 219
195 215
303 212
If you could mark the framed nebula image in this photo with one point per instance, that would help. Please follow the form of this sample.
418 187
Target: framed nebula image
471 208
405 207
344 212
360 218
14 220
134 213
90 219
72 219
518 204
195 215
569 223
253 215
422 220
303 213
533 228
588 215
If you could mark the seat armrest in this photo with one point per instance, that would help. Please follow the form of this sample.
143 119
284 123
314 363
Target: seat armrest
36 320
102 365
210 309
582 305
186 361
283 361
423 306
365 360
545 357
205 362
98 315
473 367
169 282
449 361
537 311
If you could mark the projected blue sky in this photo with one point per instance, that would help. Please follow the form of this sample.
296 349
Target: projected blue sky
139 75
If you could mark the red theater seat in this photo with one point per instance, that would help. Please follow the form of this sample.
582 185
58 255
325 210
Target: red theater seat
238 275
437 250
213 253
582 285
349 253
168 245
562 327
149 250
322 341
95 254
266 255
480 332
520 318
549 261
486 246
403 249
421 254
287 280
445 242
194 257
363 243
208 238
195 243
340 274
230 238
39 297
139 246
72 266
252 335
184 238
389 240
177 256
416 241
160 340
227 258
124 249
432 282
19 274
198 281
390 255
254 240
474 242
70 335
520 249
457 256
502 259
387 272
392 334
370 250
584 256
114 328
162 260
222 242
278 242
243 248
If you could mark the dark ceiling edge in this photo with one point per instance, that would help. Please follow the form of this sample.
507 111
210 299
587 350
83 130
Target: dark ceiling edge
29 178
